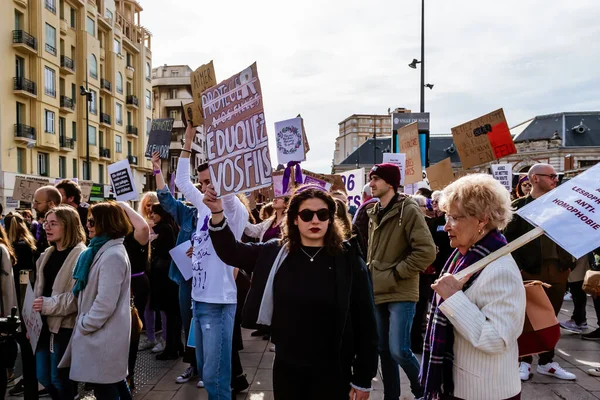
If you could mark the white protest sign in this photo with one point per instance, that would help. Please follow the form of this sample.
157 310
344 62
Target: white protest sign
503 174
31 319
570 214
290 141
400 160
181 259
354 181
122 180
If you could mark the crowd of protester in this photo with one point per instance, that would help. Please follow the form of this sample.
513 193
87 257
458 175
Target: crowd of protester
335 289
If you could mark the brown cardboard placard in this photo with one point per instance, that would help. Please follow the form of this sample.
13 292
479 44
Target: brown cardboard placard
193 113
483 139
236 134
86 190
201 79
408 137
440 174
25 187
304 137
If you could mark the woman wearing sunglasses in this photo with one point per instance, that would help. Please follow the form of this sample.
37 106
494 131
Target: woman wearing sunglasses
99 348
317 300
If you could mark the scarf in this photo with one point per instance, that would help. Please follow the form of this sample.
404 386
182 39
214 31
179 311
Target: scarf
82 268
438 354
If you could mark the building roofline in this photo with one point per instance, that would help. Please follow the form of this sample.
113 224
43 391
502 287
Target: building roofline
363 115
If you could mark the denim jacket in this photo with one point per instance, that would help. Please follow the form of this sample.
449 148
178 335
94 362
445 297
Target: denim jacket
186 217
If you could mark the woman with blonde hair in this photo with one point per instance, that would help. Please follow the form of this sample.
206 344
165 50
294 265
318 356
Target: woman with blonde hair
54 298
145 207
471 346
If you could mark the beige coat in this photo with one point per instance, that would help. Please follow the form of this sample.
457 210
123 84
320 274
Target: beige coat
61 307
99 348
7 283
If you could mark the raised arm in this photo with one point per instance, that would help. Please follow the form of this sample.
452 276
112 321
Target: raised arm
182 178
141 230
158 176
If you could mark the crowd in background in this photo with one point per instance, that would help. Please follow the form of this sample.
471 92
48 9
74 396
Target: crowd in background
334 290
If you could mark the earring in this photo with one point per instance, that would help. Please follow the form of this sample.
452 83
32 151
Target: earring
480 231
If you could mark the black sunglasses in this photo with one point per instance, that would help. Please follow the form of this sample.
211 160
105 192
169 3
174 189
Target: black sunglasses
307 215
91 222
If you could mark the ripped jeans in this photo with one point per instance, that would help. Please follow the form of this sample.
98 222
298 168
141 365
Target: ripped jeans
213 334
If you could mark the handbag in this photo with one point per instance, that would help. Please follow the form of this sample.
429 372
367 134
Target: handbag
591 282
136 322
541 330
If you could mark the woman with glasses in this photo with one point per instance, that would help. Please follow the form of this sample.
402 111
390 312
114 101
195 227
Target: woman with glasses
474 322
317 300
54 298
523 187
99 348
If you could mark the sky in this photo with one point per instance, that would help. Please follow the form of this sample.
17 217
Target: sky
330 59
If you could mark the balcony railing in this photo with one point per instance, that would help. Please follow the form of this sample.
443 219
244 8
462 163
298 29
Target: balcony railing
132 160
66 62
104 118
104 152
66 102
25 85
105 84
50 49
25 131
51 6
25 38
66 143
132 130
133 100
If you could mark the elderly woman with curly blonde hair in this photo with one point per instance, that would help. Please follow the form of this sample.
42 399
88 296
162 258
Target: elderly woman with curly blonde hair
471 346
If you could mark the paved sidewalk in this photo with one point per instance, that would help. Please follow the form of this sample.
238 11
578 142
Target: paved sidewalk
156 379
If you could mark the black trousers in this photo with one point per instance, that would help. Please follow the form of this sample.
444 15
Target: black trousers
579 302
293 382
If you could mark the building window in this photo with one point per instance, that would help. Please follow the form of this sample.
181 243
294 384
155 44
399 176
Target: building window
129 58
93 66
20 160
174 73
43 164
90 26
119 83
173 114
172 94
148 125
148 71
588 163
174 161
49 82
85 170
49 121
148 99
92 135
75 168
119 114
101 174
73 17
62 167
92 103
74 130
50 39
117 47
118 144
129 147
108 14
61 126
51 6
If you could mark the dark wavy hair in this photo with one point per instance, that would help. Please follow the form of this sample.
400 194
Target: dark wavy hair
291 234
165 217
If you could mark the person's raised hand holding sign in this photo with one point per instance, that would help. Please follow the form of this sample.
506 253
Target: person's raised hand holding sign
214 204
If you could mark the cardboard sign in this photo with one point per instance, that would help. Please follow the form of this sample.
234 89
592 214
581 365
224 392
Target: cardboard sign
570 214
354 181
440 175
304 137
122 180
201 79
31 319
181 259
86 190
408 137
503 174
25 187
192 113
311 178
236 134
159 138
483 140
289 137
400 160
278 185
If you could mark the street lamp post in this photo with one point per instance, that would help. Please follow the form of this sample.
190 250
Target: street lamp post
84 91
422 56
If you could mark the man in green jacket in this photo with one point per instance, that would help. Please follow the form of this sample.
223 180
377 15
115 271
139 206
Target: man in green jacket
400 247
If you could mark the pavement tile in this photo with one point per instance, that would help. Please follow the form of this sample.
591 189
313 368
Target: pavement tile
267 360
263 380
257 346
572 392
538 392
260 395
160 395
250 359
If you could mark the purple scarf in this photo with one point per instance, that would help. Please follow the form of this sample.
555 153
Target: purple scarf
438 354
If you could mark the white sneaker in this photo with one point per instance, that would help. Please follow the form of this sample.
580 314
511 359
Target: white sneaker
525 371
146 345
159 348
568 297
594 371
555 370
200 385
571 326
188 374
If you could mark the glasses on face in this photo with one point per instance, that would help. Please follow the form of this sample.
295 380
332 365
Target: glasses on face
50 224
453 220
91 222
307 215
525 185
551 176
434 201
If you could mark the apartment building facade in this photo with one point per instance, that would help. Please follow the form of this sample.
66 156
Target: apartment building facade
356 130
52 50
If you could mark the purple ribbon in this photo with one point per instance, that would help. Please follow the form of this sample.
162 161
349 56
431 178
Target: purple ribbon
172 185
288 172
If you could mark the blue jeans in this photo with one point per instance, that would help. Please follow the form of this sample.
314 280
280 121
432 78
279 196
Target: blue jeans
47 357
394 322
111 391
185 309
213 334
